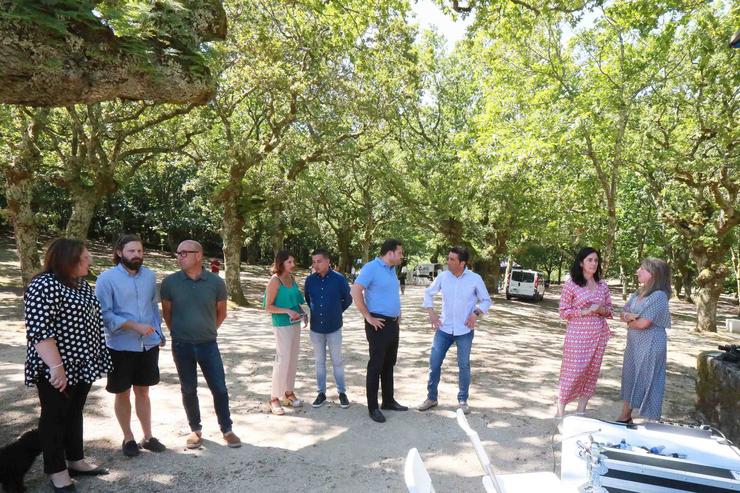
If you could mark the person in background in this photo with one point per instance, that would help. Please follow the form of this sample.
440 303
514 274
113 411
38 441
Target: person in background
65 354
585 304
647 317
283 299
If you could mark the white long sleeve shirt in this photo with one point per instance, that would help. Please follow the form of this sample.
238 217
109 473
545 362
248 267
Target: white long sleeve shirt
460 297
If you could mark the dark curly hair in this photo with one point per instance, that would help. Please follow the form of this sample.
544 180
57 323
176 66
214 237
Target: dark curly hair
576 271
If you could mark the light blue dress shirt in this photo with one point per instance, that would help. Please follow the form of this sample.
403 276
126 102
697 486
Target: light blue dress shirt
123 297
382 295
460 295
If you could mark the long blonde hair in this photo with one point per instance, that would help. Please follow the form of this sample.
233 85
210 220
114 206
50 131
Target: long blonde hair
660 277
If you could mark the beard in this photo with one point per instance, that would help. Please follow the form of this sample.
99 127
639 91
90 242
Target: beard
133 264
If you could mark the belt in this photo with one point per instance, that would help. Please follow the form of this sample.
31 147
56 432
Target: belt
385 317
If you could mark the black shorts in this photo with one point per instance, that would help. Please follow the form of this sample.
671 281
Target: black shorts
133 368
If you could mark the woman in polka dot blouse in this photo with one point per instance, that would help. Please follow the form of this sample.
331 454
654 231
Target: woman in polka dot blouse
66 353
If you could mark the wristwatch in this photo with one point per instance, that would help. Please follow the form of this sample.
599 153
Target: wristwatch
477 312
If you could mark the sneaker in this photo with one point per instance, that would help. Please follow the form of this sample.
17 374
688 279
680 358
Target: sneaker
232 440
426 405
343 400
320 400
464 406
130 448
194 440
153 445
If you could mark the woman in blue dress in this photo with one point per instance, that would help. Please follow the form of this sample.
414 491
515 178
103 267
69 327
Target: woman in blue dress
647 317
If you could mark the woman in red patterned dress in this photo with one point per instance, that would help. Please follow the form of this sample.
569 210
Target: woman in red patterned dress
585 304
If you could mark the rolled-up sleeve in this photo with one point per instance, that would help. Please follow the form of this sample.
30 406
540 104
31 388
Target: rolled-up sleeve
430 291
484 298
104 293
40 312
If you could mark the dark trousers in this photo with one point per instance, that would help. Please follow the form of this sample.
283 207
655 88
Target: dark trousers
188 356
383 346
60 424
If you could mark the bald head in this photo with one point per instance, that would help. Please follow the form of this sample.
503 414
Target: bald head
190 257
191 245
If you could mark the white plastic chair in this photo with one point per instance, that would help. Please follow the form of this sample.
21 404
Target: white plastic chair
490 480
509 483
416 475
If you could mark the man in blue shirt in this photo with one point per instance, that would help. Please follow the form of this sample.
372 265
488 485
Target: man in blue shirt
376 296
328 296
133 334
464 299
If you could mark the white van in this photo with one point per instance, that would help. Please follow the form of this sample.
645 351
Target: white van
528 284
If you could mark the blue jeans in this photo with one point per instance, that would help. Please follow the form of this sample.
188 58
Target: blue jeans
320 342
188 356
440 345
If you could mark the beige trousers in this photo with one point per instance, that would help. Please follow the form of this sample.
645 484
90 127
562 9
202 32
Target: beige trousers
287 342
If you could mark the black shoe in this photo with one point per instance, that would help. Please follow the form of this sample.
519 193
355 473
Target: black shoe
320 400
130 448
343 400
153 445
98 471
394 406
62 489
377 416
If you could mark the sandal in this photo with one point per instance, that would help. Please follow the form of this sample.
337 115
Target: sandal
291 400
275 407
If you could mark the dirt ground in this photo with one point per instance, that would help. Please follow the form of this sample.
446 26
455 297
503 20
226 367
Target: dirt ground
516 361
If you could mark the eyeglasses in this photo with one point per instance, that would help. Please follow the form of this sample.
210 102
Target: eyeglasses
184 253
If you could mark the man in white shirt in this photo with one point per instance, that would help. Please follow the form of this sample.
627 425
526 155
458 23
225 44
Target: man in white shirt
464 299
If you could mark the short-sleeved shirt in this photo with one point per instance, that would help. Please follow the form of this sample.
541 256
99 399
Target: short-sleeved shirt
653 307
71 316
193 301
382 295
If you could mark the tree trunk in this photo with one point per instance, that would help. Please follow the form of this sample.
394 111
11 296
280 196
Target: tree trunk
19 179
507 276
495 275
709 282
277 236
560 269
623 280
90 62
344 239
233 235
736 269
83 210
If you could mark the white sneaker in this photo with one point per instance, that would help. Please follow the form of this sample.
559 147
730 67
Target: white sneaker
464 406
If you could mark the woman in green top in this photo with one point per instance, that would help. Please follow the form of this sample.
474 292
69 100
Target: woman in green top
283 300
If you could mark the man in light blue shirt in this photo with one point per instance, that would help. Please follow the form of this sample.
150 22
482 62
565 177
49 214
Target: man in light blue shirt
464 299
133 334
376 295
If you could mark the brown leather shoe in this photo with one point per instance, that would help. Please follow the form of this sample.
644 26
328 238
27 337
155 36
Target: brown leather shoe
194 440
232 440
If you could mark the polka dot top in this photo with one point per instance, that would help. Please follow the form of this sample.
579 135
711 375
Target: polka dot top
72 317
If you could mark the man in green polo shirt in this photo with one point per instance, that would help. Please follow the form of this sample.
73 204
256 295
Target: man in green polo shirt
193 307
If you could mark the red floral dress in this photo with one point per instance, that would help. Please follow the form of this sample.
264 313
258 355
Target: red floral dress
585 339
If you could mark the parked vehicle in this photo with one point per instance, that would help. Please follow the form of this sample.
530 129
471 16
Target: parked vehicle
526 284
429 271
